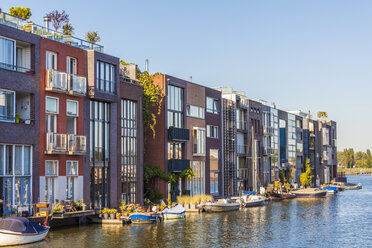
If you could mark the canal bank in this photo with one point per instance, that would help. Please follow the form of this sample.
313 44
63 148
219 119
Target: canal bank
336 221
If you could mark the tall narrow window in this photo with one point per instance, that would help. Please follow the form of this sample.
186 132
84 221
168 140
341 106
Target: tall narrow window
51 60
196 185
71 179
175 106
51 109
128 150
72 114
71 65
7 51
51 174
212 105
199 141
7 105
214 171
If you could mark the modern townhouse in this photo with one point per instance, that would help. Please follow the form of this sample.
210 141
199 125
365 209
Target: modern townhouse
188 135
19 117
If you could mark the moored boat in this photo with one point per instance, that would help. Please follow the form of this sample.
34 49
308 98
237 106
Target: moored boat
20 230
177 212
252 200
144 218
283 196
330 190
222 205
310 193
351 186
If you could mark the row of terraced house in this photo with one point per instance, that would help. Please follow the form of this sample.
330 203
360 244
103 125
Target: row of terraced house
71 127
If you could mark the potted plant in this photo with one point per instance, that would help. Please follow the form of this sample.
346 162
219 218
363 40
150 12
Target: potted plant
118 216
57 210
105 213
17 117
83 206
113 213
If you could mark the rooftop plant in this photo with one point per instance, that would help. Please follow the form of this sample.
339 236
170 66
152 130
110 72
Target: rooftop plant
21 12
92 37
58 19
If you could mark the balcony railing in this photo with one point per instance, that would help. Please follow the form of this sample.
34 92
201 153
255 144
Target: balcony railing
56 80
56 142
16 68
268 151
77 144
51 34
268 130
178 165
77 84
178 134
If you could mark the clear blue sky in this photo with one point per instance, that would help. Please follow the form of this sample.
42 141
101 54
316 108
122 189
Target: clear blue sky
309 55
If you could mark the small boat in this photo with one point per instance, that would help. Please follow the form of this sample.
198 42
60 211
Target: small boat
20 230
310 193
330 190
283 196
177 212
222 205
144 218
351 186
252 200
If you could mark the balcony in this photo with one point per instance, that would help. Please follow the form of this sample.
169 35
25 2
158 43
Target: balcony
267 151
178 134
77 85
268 130
56 143
76 144
56 81
178 165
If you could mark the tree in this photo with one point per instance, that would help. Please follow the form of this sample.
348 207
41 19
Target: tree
92 37
24 13
58 18
322 115
68 29
307 176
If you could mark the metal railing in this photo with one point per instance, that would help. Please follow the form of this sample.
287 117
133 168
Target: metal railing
31 27
56 80
16 68
77 84
77 143
56 142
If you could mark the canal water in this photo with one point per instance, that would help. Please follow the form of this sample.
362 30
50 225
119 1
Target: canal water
343 220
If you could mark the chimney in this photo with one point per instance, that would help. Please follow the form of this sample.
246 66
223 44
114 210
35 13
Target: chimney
147 66
46 21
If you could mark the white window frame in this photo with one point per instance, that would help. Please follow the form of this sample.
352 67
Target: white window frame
14 53
14 105
68 60
77 108
55 60
201 144
46 111
209 128
55 121
201 111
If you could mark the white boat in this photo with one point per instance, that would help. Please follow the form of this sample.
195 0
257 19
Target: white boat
252 200
177 212
222 205
19 231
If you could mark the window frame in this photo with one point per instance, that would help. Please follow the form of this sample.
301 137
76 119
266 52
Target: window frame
57 168
77 108
52 97
55 60
214 104
14 106
216 131
201 110
202 143
68 61
12 66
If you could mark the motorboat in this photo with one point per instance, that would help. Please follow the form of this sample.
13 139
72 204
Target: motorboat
20 230
283 195
310 193
352 186
252 200
177 212
144 218
330 190
222 205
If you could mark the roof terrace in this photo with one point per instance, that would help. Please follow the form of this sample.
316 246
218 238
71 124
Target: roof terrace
18 23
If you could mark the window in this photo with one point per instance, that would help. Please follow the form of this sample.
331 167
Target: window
15 176
7 105
7 51
51 105
174 150
51 174
214 171
129 151
199 141
71 179
99 152
196 185
175 106
71 65
212 106
72 113
212 131
195 111
106 77
51 60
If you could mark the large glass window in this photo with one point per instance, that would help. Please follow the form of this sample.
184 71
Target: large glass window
106 77
174 150
196 185
51 105
129 150
214 171
99 152
7 51
15 177
71 179
7 105
195 111
199 141
212 105
175 106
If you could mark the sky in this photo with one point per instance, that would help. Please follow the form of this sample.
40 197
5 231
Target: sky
309 55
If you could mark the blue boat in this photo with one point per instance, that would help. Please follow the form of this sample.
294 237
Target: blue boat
144 218
330 190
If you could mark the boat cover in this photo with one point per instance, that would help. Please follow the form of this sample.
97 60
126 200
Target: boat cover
21 225
249 192
330 188
175 210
